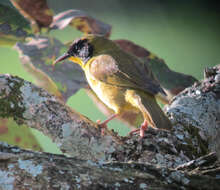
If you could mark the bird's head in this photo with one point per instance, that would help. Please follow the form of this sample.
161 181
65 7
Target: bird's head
79 52
85 48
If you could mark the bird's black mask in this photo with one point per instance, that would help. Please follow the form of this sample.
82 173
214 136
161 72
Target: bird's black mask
81 48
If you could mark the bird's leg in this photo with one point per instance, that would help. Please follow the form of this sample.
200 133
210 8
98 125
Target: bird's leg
103 125
142 129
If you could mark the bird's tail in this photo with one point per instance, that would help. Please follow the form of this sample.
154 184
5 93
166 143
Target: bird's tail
154 113
150 109
163 98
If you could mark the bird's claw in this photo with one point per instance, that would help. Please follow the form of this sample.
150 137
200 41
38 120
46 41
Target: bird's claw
103 126
141 131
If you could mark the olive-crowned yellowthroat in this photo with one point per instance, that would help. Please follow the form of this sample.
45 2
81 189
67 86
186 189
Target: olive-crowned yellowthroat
120 80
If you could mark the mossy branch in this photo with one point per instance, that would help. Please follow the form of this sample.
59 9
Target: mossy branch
194 134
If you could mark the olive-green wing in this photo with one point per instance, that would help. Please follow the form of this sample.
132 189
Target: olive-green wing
124 71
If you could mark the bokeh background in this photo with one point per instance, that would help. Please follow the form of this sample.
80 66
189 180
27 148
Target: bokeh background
186 34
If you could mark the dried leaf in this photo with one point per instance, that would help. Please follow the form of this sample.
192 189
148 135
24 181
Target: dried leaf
13 26
62 79
36 11
81 21
21 136
171 81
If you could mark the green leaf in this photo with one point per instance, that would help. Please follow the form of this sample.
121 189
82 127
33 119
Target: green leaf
20 135
13 26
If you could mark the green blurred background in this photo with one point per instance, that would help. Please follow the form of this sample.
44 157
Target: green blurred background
186 34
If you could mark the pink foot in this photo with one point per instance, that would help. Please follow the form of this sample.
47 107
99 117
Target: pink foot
103 125
142 129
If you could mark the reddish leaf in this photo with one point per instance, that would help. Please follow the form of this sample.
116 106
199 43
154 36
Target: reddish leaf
36 11
81 21
3 126
133 48
37 56
172 82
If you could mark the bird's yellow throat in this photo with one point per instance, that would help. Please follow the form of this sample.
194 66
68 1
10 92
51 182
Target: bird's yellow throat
77 60
80 62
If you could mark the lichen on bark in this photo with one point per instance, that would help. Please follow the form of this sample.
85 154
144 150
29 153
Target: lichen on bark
175 159
11 98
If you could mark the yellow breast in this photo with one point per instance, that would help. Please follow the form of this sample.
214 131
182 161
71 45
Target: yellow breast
105 93
112 96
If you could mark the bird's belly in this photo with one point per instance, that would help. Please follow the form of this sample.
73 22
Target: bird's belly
110 95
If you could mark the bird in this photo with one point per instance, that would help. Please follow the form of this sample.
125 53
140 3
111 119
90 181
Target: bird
120 80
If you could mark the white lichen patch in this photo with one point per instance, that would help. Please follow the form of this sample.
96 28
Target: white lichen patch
78 180
85 178
198 92
30 99
116 169
67 129
143 186
125 179
11 166
200 112
16 149
168 160
91 163
117 184
97 149
30 167
128 180
102 146
179 177
217 176
12 105
64 186
6 181
4 89
166 140
160 158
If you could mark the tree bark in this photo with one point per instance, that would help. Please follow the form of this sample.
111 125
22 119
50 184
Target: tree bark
176 159
22 169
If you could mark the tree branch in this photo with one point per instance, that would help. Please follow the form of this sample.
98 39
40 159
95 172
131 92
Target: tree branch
21 169
33 106
162 159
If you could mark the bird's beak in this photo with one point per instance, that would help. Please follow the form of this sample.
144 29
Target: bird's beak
61 58
67 56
